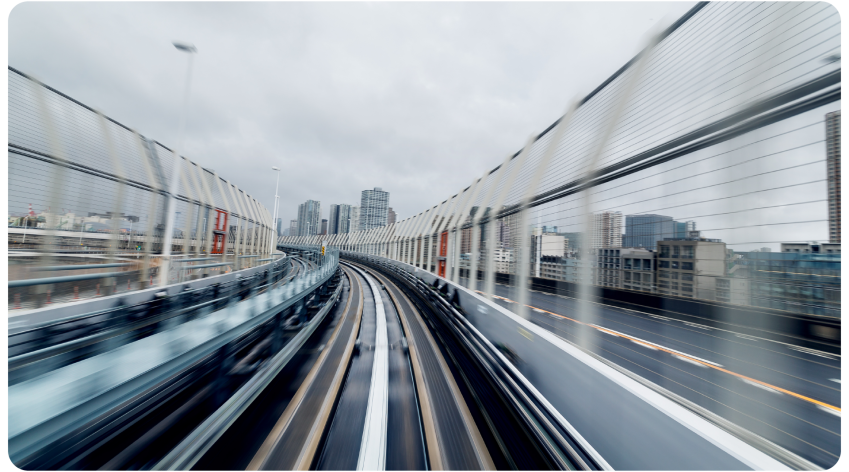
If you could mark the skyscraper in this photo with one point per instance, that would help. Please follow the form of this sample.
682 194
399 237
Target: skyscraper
309 218
343 222
279 226
832 146
646 230
374 206
339 221
390 217
607 229
293 228
355 219
323 227
333 219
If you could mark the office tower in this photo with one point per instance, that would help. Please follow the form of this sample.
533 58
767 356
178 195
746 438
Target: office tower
355 219
339 221
309 218
374 206
323 227
333 220
832 146
391 216
293 227
344 219
279 226
646 230
607 229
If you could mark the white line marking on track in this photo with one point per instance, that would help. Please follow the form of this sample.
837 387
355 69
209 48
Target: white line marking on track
644 345
829 410
691 362
764 387
750 338
835 380
660 346
694 325
814 352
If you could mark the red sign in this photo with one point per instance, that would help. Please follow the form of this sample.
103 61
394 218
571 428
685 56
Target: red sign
220 232
220 221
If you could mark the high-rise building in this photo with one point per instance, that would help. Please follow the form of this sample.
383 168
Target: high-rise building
279 226
355 219
339 221
832 146
323 227
607 229
390 216
309 218
293 228
374 206
646 230
333 220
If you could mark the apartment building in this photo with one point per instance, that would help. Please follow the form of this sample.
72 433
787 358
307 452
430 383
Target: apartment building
689 267
639 269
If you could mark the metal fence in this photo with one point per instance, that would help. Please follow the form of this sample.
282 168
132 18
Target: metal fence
82 183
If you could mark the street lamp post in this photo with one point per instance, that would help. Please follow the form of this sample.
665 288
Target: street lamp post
26 225
276 207
169 225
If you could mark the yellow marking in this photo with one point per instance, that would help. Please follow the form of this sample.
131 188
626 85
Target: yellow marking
526 333
788 392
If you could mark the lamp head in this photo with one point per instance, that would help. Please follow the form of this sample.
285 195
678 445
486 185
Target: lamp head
185 47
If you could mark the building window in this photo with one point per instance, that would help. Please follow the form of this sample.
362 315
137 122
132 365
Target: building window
674 264
664 264
676 251
686 266
664 251
627 276
687 252
686 288
664 274
688 277
673 275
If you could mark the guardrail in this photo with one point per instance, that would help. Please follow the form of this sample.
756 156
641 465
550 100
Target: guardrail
196 444
31 319
54 405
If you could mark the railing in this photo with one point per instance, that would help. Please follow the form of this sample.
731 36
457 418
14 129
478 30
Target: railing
52 405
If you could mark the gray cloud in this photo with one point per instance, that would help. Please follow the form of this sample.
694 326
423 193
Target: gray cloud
417 98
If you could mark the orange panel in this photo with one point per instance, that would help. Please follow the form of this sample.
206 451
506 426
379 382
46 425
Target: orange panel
443 244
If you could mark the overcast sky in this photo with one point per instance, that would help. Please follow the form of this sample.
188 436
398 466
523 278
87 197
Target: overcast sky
416 98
